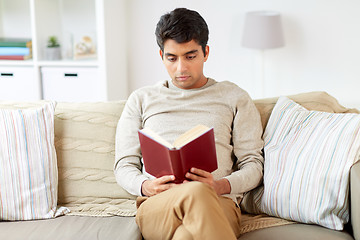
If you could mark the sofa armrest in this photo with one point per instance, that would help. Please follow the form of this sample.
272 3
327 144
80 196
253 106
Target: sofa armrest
355 199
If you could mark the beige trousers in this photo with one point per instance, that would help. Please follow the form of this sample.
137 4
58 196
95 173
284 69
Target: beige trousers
188 211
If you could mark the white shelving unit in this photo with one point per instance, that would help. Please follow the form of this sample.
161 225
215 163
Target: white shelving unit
101 78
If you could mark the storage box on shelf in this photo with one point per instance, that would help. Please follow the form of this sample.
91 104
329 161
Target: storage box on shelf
57 81
18 83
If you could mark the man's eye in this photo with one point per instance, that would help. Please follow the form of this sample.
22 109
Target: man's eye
191 57
171 59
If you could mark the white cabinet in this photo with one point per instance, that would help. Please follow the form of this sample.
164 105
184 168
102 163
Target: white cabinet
18 84
102 20
70 84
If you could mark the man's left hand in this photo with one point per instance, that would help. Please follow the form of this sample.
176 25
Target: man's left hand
221 186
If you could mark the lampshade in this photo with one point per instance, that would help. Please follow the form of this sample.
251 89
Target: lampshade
263 30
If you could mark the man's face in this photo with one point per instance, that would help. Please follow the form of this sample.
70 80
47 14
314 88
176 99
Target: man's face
184 63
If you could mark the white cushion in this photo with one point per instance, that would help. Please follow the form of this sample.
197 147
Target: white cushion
308 156
28 166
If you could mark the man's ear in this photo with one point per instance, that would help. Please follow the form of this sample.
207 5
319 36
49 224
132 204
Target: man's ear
207 51
161 54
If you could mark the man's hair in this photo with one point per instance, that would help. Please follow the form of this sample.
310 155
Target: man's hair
182 25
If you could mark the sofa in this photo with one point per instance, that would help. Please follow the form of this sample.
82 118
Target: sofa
100 209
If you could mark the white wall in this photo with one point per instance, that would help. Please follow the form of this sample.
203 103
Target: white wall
322 46
12 21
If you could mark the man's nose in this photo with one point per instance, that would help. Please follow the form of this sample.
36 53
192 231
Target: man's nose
182 65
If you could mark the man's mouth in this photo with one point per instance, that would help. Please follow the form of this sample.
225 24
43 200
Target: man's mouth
182 78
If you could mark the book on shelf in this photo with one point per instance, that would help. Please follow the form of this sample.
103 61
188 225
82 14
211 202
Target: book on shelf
17 51
15 57
194 148
15 42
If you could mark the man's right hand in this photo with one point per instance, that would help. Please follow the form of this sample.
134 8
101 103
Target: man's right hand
152 187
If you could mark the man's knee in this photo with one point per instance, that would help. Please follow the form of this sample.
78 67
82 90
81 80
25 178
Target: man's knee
198 190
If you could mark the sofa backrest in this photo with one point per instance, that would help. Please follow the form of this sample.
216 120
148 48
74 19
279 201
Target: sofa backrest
318 101
85 147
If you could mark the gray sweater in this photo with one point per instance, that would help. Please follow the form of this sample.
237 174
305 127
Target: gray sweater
171 111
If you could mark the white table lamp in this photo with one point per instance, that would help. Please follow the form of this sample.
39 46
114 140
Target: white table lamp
263 30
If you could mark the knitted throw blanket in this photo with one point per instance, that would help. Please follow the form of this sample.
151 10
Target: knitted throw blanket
251 222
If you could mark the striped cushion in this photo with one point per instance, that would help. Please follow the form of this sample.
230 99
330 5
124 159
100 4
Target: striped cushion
308 155
28 167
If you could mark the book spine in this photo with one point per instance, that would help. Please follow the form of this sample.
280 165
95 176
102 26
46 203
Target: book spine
176 165
17 51
16 44
14 57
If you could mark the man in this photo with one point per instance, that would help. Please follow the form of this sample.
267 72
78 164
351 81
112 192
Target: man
206 205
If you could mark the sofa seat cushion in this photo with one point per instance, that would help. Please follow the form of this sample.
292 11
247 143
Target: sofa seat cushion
296 232
72 227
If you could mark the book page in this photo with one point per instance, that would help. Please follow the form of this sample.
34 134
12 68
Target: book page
150 133
190 135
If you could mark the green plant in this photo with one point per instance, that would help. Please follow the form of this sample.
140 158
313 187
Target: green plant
53 42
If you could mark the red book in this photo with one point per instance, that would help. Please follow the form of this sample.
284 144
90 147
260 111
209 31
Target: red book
194 148
15 57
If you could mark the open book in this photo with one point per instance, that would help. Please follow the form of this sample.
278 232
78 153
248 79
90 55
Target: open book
194 148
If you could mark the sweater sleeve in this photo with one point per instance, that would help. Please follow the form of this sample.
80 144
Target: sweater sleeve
128 167
247 145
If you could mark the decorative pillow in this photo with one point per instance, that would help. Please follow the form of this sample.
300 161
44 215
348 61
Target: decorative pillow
28 167
308 156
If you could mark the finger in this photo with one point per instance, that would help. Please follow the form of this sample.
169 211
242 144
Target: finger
170 185
165 187
165 179
194 177
199 172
